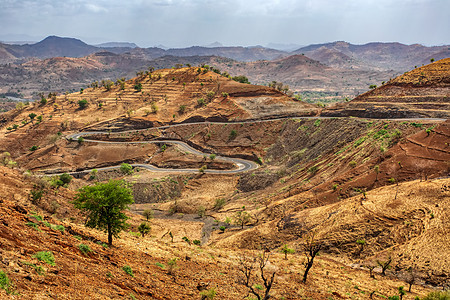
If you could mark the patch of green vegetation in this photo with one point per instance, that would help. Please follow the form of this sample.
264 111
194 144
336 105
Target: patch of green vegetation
5 283
160 265
34 225
45 256
317 123
85 249
342 150
128 270
380 134
40 270
417 125
360 141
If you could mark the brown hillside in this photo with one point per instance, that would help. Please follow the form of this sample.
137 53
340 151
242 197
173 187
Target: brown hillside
423 92
99 274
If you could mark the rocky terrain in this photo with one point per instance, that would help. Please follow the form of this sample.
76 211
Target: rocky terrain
369 190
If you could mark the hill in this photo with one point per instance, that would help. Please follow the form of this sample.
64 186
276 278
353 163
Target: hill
422 92
383 56
368 189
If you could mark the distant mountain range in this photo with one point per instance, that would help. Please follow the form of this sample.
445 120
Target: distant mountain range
324 71
379 56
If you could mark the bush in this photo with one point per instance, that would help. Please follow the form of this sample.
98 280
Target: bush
126 169
201 102
197 242
138 87
45 256
352 164
208 294
222 228
85 249
438 295
82 103
34 148
128 270
5 283
80 140
144 228
65 179
182 109
372 86
233 134
220 202
241 79
172 265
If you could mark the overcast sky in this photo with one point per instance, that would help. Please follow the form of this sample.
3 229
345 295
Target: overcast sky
179 23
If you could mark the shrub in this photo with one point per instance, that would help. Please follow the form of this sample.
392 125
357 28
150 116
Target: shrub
313 170
201 211
182 109
126 168
154 108
80 140
233 134
222 228
85 249
372 86
241 79
32 116
197 242
202 169
286 250
34 225
34 148
352 164
172 265
210 95
438 295
5 283
82 103
65 179
160 265
144 228
208 294
317 123
219 203
212 156
201 102
45 256
138 87
128 270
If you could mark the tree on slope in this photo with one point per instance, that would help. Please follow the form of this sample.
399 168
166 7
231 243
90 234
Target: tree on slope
104 204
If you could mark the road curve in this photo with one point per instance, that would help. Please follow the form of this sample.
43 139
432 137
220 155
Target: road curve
241 164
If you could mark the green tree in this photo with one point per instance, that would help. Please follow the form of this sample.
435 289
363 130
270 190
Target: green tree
32 116
241 217
241 79
126 169
82 103
104 204
138 87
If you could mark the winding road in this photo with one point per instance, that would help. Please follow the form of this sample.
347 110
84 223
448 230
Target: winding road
242 165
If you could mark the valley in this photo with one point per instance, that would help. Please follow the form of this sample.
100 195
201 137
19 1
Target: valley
241 170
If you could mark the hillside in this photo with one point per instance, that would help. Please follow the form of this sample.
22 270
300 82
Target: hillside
422 92
383 56
163 97
208 150
61 232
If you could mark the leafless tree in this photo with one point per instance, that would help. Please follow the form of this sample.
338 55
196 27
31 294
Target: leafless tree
248 267
311 248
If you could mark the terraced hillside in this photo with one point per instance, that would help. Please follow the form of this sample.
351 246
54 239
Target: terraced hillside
423 92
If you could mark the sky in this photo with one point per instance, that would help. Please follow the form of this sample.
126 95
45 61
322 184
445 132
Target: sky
182 23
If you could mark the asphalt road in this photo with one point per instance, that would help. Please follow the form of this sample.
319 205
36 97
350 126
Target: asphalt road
242 165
